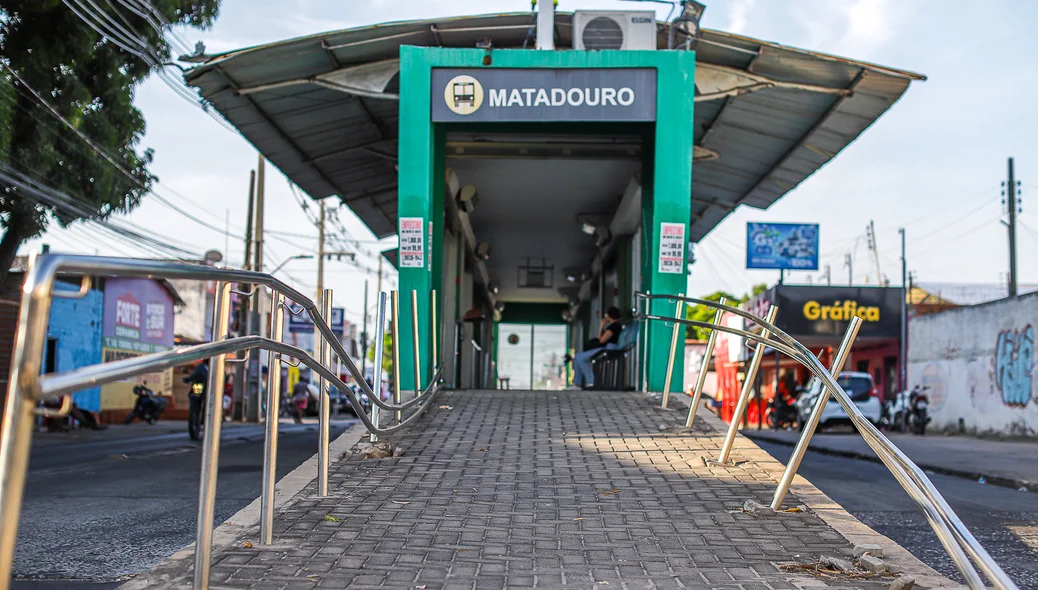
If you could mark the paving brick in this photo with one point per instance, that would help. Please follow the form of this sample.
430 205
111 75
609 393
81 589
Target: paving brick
538 489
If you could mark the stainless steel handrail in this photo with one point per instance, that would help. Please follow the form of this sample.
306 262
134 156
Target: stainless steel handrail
953 534
51 265
27 386
55 384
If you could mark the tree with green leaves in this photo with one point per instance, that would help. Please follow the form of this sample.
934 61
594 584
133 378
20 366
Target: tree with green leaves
703 313
67 120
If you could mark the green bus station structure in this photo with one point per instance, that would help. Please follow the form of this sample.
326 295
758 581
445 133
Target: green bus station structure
541 186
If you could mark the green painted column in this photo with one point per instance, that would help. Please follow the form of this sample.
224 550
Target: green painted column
420 188
668 202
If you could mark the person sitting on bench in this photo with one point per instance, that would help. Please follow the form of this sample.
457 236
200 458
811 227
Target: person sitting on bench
608 338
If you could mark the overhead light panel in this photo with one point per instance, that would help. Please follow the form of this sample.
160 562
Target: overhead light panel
468 198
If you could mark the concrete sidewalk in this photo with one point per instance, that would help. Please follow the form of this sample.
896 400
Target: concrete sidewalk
1005 463
545 489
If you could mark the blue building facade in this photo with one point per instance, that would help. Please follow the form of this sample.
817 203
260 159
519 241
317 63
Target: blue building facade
74 339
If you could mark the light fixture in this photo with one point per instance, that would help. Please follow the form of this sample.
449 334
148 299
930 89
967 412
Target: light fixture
468 198
492 287
602 236
587 228
687 22
500 306
483 251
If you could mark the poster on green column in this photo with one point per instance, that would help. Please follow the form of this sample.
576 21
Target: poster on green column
672 247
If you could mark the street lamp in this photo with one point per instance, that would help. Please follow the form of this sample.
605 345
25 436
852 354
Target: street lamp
290 259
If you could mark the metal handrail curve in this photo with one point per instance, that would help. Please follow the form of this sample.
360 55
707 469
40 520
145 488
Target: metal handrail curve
48 266
61 384
953 534
27 386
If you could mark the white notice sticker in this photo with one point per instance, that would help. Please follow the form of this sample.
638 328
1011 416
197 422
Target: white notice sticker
412 248
672 247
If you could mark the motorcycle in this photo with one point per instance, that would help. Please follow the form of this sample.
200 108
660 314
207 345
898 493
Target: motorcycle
148 407
196 411
918 411
908 411
781 414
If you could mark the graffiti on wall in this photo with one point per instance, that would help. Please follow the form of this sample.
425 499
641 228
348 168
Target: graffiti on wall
1014 365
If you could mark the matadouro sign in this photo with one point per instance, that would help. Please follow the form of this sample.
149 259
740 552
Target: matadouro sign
568 94
806 311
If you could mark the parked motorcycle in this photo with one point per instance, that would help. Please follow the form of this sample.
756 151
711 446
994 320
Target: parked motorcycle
918 410
908 411
148 407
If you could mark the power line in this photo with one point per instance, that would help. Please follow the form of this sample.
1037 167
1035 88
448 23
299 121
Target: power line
107 157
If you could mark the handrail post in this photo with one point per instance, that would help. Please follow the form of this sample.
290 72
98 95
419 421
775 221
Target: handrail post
697 394
416 344
211 444
744 396
396 352
816 415
673 352
323 400
18 413
434 355
270 441
380 345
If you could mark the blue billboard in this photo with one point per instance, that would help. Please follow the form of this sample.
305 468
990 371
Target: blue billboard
782 246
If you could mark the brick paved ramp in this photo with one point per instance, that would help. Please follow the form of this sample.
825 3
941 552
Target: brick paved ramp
547 489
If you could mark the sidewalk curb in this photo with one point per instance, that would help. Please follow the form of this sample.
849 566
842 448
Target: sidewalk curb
996 480
834 515
177 570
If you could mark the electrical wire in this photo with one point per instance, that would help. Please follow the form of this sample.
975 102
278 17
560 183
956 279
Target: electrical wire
106 156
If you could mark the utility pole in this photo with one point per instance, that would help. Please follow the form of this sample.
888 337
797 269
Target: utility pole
260 186
248 222
364 334
849 263
903 373
320 254
250 409
828 275
379 289
870 231
1010 193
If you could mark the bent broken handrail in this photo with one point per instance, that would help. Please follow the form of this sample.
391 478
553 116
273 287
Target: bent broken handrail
957 540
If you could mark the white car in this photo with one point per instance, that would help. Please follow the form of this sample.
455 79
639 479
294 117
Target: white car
862 391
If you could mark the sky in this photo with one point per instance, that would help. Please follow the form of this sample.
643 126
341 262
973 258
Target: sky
933 164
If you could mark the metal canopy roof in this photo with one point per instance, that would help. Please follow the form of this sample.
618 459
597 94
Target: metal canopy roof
323 109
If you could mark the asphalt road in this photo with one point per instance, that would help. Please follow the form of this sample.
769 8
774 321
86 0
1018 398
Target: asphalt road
1005 521
96 513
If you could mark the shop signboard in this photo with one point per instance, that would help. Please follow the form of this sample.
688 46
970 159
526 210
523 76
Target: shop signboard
302 322
137 320
782 246
817 311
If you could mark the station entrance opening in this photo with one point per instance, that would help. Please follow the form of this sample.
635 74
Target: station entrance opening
536 190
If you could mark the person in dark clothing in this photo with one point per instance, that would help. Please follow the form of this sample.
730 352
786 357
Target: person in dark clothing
608 338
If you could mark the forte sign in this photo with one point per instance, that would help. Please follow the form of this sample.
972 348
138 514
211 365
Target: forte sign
475 95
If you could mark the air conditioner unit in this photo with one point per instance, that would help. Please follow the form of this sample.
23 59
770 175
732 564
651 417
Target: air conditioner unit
599 29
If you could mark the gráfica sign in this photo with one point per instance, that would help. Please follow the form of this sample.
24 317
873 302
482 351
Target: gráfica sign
826 311
568 94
